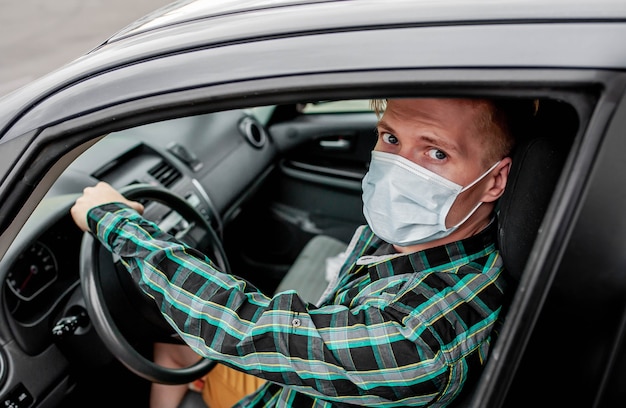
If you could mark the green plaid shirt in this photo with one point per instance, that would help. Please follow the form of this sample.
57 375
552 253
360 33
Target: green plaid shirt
395 331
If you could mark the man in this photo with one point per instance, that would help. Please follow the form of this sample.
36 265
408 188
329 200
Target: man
409 318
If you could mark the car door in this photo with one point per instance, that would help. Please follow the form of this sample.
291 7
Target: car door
327 169
584 311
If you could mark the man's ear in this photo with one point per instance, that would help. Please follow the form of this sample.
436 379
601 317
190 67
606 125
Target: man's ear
497 180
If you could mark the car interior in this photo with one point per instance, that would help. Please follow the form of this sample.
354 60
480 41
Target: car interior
272 192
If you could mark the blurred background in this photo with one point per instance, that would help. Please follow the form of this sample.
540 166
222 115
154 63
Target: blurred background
39 36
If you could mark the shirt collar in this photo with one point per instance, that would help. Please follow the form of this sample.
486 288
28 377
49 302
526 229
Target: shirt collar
383 262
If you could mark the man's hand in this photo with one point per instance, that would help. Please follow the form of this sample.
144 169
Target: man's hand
99 194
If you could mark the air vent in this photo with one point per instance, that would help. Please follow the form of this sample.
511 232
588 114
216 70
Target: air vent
253 132
165 173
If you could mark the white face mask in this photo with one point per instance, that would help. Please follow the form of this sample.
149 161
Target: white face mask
406 204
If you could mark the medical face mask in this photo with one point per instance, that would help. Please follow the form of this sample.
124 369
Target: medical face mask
406 204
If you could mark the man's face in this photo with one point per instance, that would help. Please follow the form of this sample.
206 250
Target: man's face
440 135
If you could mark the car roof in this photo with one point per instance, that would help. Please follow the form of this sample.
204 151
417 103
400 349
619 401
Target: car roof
425 11
205 24
191 10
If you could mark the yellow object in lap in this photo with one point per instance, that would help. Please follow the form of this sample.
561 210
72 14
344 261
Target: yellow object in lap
224 386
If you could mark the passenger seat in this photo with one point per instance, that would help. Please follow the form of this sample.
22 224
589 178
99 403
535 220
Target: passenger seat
307 275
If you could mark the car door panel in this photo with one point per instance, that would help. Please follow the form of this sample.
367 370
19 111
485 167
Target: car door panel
326 168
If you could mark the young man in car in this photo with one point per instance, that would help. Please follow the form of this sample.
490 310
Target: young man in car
410 316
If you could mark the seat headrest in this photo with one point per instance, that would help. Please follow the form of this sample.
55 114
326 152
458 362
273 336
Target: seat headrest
535 170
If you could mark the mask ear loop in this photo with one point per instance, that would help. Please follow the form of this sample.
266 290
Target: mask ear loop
479 203
473 183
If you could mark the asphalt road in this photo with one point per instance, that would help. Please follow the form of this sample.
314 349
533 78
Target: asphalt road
39 36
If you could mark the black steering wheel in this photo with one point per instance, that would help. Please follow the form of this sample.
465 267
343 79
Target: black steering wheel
119 310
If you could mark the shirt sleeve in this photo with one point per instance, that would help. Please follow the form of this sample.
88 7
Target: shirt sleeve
360 354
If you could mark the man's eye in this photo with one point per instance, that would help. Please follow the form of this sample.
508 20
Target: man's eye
389 138
437 154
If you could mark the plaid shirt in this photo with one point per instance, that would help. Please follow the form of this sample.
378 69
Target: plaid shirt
397 330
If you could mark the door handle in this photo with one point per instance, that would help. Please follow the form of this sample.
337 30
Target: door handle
335 144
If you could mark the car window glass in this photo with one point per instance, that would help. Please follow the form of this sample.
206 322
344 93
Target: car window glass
357 105
262 113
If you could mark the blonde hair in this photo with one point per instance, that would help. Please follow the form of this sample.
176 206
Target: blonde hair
378 106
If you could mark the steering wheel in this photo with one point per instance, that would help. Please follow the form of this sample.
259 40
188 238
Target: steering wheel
111 296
